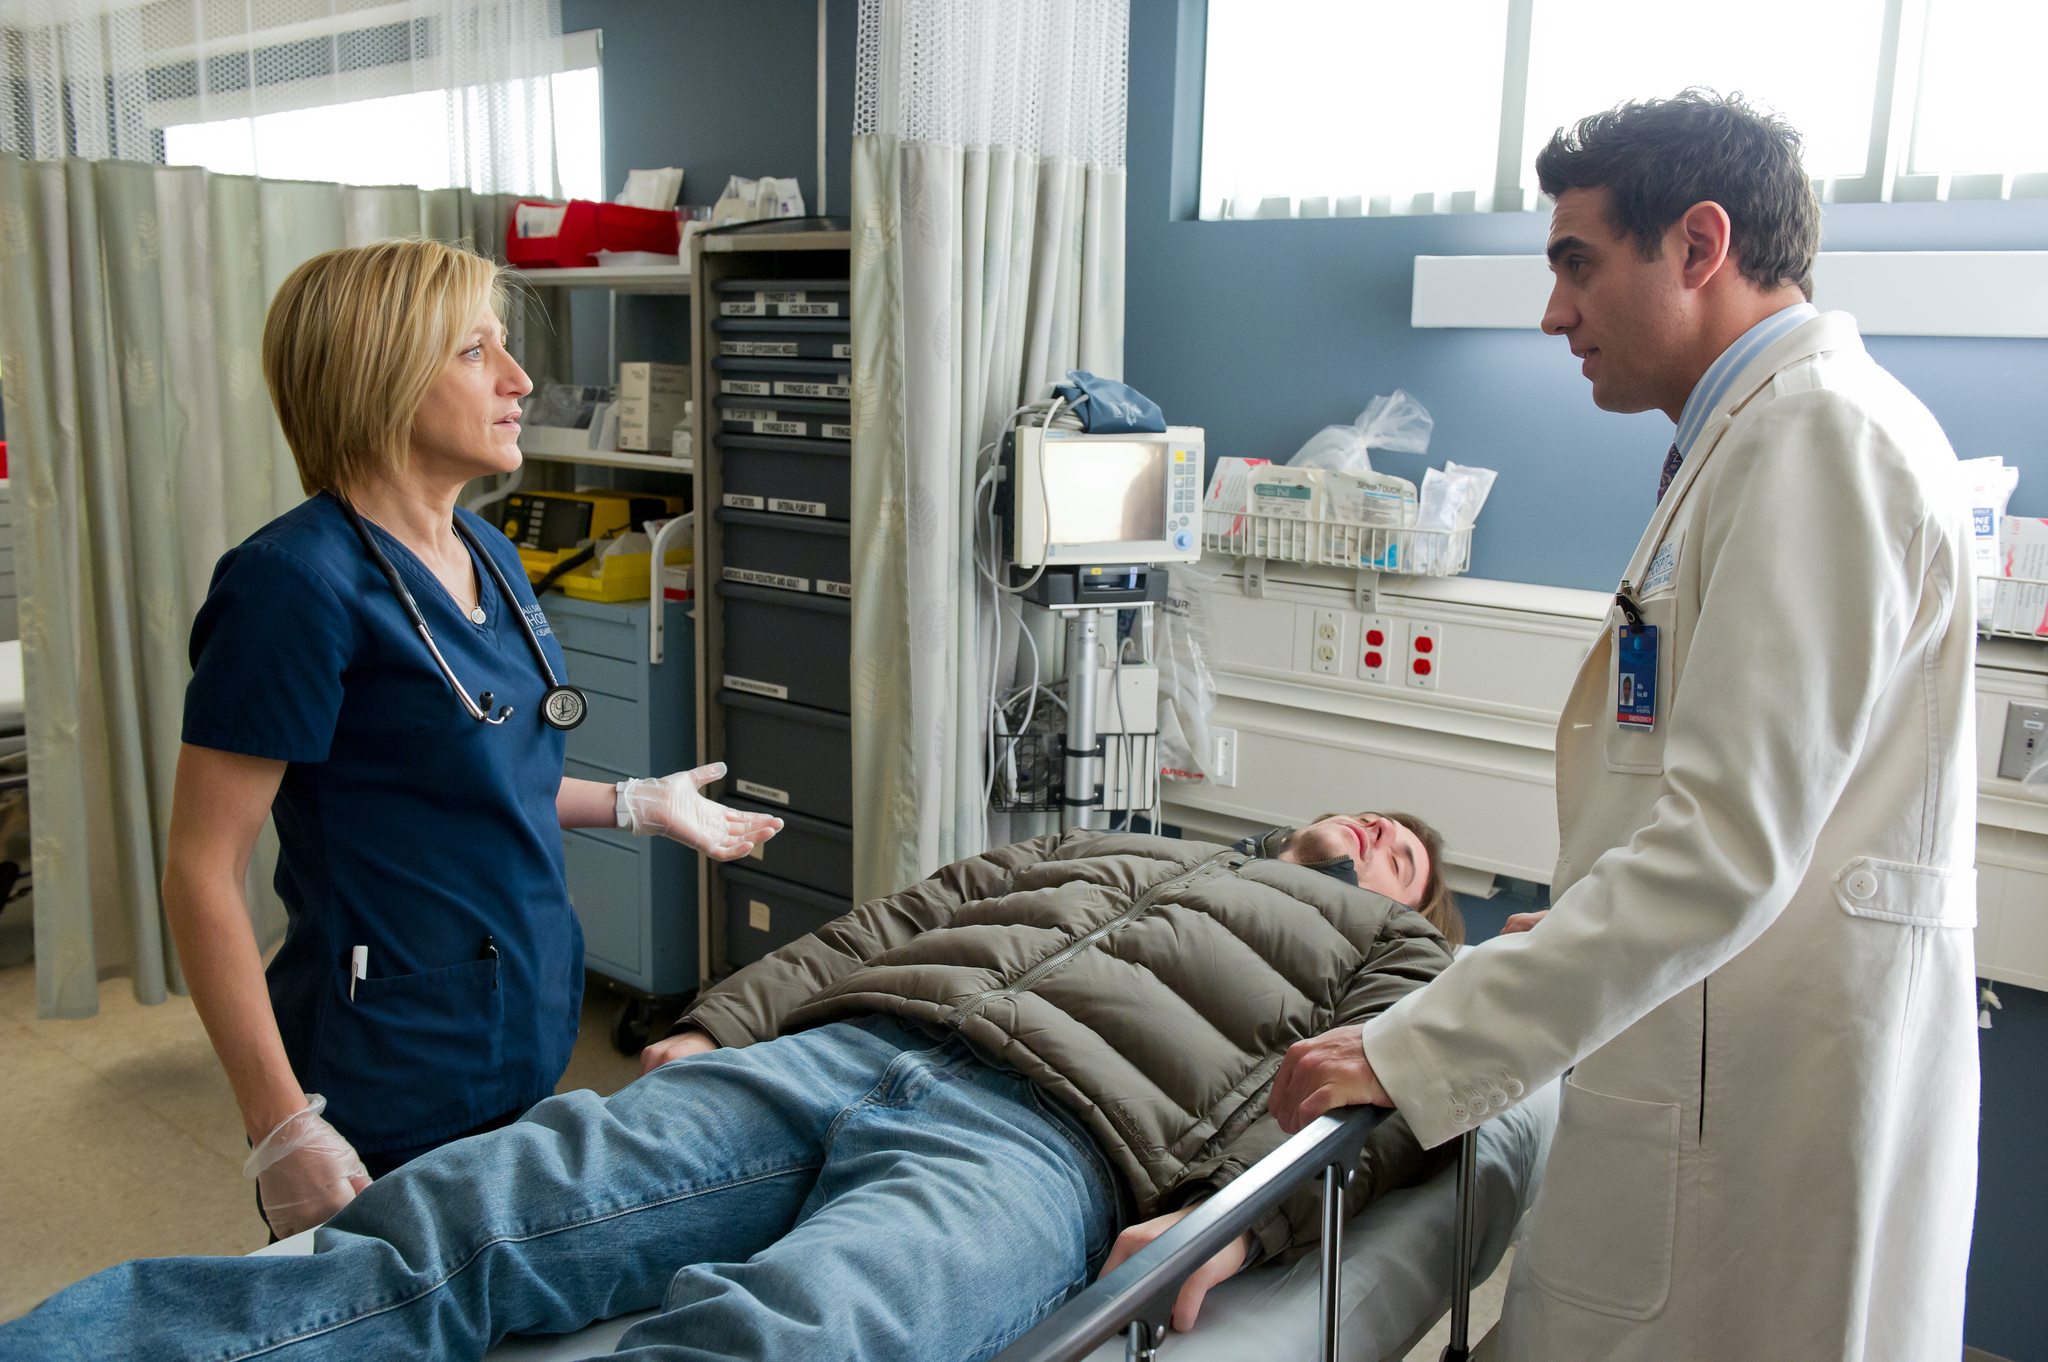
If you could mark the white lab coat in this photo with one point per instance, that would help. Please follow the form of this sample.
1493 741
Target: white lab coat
1759 955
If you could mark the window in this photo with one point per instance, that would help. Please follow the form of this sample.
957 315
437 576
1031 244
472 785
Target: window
409 139
1317 108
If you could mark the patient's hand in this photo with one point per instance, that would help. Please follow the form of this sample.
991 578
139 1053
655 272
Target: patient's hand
1522 922
1322 1073
679 1046
1218 1269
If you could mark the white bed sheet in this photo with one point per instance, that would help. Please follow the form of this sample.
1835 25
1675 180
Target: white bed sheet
1397 1268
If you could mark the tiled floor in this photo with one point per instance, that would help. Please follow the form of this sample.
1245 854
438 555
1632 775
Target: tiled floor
119 1136
1487 1298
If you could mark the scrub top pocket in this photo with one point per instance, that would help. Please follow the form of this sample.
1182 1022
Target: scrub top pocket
410 1054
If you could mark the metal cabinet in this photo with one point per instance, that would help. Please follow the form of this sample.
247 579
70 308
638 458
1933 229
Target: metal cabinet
635 896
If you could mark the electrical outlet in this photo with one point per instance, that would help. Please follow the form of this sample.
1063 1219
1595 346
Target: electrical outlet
1326 643
1376 649
1223 770
2026 732
1425 655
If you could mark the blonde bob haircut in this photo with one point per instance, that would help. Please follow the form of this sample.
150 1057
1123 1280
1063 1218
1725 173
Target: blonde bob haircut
355 339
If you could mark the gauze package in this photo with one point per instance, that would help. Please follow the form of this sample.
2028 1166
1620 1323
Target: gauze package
1368 499
1396 422
1989 484
2022 607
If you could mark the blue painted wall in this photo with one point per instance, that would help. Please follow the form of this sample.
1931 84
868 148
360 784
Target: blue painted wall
1265 331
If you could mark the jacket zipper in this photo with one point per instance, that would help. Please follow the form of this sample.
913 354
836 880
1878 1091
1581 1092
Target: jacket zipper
1024 981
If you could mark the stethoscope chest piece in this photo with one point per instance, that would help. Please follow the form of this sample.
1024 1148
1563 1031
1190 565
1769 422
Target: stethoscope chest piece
564 707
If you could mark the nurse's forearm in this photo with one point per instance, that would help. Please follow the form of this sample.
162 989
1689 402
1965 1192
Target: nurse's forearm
224 970
586 804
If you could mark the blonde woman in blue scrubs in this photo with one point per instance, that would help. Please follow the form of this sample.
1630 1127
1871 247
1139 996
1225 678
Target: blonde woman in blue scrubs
372 670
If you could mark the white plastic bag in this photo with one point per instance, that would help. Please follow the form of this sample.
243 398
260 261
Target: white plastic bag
1187 690
1397 423
1451 500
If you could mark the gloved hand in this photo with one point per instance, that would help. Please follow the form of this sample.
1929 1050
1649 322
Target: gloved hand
673 807
304 1170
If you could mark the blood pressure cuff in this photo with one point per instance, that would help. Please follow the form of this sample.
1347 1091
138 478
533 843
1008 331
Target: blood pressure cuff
1107 407
1269 845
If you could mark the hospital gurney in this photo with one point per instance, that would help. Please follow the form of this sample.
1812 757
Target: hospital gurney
1397 1257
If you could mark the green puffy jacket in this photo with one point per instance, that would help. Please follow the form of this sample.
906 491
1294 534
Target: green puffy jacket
1150 984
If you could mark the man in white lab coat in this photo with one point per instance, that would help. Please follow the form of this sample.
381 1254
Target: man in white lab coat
1759 952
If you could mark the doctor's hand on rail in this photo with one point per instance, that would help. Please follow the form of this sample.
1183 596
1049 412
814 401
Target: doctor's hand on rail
681 1045
1221 1268
672 807
304 1170
1321 1074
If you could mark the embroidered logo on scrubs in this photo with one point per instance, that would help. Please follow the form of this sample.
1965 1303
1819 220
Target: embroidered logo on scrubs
538 620
1663 567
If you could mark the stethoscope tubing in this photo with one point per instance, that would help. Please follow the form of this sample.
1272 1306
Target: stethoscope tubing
479 712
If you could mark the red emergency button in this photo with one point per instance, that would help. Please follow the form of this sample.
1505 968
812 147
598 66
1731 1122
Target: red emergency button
1375 638
1375 661
1424 643
1422 666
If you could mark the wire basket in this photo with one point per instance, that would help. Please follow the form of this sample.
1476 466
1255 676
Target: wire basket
1332 543
1030 772
2019 609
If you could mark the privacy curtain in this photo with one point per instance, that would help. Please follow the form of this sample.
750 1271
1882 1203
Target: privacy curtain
142 445
988 259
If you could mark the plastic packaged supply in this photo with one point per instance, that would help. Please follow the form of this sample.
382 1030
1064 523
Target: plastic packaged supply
1988 484
1187 690
1289 493
1396 422
2022 607
1366 498
1452 497
747 200
652 188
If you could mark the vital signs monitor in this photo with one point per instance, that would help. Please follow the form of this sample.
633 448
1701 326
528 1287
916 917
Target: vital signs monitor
1077 500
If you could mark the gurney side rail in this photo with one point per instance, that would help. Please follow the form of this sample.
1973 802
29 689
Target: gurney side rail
1141 1292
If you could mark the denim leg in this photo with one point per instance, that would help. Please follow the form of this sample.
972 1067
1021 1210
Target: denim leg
583 1210
953 1212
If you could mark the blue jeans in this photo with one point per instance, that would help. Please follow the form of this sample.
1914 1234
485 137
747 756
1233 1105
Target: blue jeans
864 1190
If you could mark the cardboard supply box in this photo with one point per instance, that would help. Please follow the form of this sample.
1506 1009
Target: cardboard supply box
653 400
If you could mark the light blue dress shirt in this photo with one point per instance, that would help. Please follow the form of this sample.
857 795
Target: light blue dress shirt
1722 373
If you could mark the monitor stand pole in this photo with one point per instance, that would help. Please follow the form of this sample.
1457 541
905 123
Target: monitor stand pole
1081 805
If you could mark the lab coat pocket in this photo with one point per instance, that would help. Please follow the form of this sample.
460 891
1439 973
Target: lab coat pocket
1604 1241
408 1053
1911 895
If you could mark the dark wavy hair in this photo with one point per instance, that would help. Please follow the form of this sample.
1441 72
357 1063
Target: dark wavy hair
1659 157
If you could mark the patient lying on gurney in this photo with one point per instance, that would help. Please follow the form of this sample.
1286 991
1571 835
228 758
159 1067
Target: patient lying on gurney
910 1135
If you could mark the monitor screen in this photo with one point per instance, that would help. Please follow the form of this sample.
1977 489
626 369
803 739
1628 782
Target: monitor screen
1105 491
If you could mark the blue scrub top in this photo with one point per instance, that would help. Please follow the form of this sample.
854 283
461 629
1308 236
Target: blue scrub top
405 825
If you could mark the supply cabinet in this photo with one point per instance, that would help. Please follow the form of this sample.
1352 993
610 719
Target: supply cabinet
773 431
635 896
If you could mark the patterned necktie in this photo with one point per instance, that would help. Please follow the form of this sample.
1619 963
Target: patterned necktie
1671 462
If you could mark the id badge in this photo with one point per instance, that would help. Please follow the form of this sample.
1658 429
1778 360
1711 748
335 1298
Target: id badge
1635 677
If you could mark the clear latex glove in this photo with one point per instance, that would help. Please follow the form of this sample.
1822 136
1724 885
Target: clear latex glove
304 1170
672 807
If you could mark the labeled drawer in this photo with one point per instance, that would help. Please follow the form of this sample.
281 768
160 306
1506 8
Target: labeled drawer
798 418
608 631
809 851
786 552
762 913
826 380
812 298
787 477
745 338
788 647
789 756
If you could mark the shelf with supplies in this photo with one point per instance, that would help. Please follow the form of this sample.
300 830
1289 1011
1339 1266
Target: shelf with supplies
1332 543
619 278
2019 609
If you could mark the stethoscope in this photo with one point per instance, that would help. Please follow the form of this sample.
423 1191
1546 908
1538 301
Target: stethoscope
562 707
